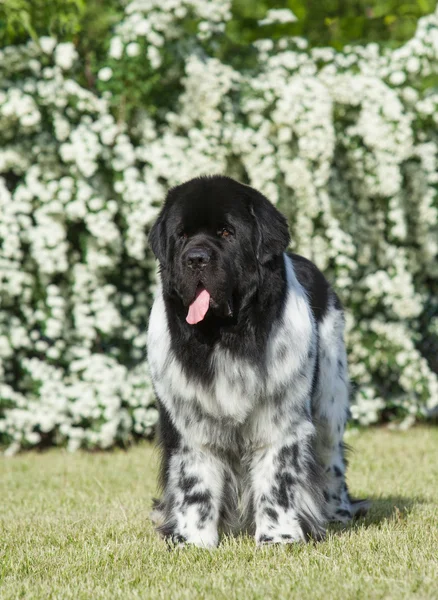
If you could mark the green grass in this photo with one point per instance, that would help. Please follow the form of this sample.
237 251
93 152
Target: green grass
76 526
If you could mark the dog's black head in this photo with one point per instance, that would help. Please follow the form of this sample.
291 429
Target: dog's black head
212 237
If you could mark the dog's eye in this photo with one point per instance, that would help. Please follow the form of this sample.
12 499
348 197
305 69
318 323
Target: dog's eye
223 232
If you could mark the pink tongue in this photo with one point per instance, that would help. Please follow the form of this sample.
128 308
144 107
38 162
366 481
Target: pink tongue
198 308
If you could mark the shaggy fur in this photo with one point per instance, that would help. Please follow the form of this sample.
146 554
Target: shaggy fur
253 399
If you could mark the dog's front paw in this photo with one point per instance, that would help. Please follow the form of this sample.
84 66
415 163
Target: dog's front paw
204 539
289 531
341 515
176 541
286 536
200 538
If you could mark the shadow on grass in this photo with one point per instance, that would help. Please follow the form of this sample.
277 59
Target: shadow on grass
382 508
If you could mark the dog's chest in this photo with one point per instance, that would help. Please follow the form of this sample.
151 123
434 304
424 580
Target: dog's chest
235 388
231 393
236 385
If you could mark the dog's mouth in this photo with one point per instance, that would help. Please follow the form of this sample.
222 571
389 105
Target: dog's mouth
200 305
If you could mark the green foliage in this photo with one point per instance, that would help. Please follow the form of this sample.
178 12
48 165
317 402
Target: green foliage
92 39
321 22
89 25
331 22
21 19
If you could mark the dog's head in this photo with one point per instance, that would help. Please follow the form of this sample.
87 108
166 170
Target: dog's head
212 237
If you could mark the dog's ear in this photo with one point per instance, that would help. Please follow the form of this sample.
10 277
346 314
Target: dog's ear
271 228
157 240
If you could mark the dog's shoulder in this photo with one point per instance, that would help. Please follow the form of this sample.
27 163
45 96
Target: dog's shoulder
320 294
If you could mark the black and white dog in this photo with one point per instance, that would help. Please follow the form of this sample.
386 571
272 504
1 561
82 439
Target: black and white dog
248 362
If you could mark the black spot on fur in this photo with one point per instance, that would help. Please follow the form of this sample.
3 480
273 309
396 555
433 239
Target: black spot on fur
287 479
288 456
315 284
169 531
315 377
281 496
337 470
272 514
282 351
283 493
311 528
188 483
177 539
295 453
198 498
205 514
265 538
158 504
169 440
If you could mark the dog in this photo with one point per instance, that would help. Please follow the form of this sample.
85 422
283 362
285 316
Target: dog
249 367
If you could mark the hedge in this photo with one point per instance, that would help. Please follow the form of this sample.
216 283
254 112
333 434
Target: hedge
344 141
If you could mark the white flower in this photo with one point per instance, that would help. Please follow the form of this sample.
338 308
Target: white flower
413 64
116 48
133 49
278 15
154 57
47 44
105 74
65 55
397 78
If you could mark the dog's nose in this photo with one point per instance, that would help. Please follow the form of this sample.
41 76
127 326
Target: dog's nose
197 258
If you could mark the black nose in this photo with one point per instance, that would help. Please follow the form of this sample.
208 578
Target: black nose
197 258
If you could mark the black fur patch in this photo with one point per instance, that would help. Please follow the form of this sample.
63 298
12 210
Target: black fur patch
272 514
315 284
337 471
169 440
263 539
312 529
198 498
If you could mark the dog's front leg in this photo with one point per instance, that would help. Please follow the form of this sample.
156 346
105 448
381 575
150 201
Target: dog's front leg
287 488
193 497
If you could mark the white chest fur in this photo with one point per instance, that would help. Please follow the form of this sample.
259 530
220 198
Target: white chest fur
237 385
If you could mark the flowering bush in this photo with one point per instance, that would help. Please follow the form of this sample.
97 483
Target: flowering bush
344 143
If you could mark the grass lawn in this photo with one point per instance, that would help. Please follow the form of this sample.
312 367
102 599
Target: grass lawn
76 526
